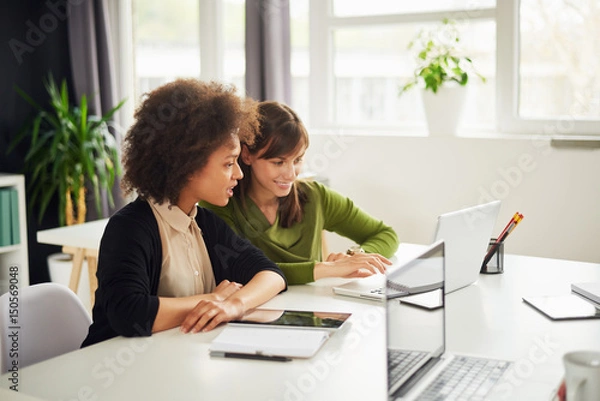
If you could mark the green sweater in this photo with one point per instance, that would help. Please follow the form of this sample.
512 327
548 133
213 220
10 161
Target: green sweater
296 249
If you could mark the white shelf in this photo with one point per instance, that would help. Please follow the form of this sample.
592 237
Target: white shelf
15 255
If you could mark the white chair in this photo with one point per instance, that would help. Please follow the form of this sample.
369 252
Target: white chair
50 320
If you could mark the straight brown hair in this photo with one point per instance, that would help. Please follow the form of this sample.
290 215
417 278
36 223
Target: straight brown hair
281 133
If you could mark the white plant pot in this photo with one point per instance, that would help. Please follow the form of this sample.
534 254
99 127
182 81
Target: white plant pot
60 266
444 109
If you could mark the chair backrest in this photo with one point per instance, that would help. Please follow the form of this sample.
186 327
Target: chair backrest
40 322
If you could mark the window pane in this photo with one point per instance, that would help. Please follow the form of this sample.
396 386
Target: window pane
355 8
234 52
559 71
300 62
166 42
371 63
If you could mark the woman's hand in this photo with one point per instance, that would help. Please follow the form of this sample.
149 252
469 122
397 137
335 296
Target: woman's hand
225 289
209 314
227 302
349 266
332 257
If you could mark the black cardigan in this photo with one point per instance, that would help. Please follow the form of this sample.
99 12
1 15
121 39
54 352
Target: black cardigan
129 265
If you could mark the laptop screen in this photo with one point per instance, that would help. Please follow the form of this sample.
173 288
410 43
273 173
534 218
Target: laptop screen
415 334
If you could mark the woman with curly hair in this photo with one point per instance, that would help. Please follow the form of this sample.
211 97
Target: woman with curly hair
285 216
163 261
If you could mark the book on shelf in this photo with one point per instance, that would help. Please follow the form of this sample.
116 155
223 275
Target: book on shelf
588 290
9 217
5 217
14 216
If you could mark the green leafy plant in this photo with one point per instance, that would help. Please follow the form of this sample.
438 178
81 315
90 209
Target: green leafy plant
438 59
68 149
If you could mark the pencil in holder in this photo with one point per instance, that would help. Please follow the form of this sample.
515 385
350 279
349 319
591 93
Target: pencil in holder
495 265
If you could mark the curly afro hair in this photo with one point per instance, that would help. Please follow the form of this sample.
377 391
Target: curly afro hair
178 126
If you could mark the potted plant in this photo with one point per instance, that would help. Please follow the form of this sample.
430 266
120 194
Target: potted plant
443 73
69 148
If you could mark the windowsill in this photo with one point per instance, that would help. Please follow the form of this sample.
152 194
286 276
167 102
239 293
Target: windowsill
587 141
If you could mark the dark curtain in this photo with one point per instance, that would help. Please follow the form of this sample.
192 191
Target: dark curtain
268 75
38 53
93 67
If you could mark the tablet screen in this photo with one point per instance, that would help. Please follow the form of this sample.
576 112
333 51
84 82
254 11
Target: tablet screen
294 318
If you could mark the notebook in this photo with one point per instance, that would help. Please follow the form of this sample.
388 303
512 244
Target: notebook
466 234
418 365
277 344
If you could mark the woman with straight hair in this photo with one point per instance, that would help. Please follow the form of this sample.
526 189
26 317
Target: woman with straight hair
285 216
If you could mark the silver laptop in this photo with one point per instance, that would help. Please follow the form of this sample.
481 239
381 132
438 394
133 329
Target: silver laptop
466 233
418 365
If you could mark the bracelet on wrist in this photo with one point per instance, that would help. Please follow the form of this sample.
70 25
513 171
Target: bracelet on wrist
354 249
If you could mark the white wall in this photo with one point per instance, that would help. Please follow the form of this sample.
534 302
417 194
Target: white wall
408 181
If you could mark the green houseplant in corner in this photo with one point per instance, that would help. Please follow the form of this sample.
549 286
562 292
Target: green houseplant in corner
69 148
443 73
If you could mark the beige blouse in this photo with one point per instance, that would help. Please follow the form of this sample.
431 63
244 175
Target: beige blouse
186 268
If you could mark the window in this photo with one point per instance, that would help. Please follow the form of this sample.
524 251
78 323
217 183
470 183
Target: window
541 60
300 58
187 38
166 42
358 59
549 73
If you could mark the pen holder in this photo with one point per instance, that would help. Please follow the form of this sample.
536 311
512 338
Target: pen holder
496 262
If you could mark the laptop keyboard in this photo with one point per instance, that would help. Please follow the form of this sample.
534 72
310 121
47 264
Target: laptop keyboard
400 362
465 378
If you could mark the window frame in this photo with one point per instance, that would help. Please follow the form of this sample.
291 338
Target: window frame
211 40
506 14
507 86
322 23
211 43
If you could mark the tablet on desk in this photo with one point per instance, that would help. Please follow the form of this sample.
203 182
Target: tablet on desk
563 307
293 319
428 300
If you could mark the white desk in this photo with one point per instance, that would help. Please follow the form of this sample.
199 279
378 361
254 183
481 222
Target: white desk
487 318
82 241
